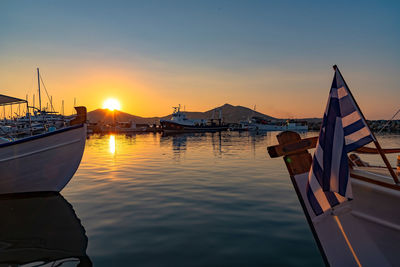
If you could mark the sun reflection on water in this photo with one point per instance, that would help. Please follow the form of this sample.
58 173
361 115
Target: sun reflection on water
112 144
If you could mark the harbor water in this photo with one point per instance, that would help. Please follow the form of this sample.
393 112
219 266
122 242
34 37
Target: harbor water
211 199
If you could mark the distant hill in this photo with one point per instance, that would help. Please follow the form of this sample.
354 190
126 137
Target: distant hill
230 114
104 115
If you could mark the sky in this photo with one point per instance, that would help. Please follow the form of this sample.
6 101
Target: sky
152 55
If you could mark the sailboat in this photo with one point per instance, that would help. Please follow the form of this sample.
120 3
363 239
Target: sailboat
43 161
352 208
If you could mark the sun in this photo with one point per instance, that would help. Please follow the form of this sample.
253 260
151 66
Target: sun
112 104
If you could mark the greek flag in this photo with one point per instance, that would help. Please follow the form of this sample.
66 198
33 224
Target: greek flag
343 130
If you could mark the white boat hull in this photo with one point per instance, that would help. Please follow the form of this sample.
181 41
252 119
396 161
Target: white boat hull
378 211
41 163
370 223
270 127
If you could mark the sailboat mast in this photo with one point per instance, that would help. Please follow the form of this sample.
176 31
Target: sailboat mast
38 80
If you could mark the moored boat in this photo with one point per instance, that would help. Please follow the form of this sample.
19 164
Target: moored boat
260 124
40 151
45 161
180 123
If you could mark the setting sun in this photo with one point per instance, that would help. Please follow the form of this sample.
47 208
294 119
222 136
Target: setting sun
112 104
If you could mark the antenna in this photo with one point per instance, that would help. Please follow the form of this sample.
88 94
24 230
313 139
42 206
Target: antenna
62 107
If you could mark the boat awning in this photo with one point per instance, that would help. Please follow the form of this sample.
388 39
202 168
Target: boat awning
8 100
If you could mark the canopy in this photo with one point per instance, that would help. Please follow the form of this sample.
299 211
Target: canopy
8 100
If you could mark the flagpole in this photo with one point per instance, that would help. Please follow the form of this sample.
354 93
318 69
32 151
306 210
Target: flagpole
378 146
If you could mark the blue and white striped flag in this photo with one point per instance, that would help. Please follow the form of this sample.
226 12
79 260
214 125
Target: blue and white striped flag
343 130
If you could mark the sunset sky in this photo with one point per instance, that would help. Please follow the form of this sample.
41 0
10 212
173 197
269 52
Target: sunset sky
152 55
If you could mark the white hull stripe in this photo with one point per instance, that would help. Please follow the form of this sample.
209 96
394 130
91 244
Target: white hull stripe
40 150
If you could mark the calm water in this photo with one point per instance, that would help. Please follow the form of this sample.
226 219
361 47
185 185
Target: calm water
190 200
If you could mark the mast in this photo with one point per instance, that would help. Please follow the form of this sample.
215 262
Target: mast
38 80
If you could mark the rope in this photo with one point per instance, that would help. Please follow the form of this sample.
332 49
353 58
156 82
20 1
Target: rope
387 123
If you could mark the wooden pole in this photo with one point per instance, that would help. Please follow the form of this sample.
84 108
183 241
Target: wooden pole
378 146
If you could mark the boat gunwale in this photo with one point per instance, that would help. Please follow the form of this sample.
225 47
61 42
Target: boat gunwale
34 137
374 181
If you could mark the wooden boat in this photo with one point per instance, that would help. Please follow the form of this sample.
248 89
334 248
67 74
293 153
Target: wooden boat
362 231
41 230
43 162
42 150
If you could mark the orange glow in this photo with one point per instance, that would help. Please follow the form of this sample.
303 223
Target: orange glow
111 144
152 93
112 104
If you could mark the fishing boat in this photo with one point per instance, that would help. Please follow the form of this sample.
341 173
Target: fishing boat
41 230
180 123
261 124
352 208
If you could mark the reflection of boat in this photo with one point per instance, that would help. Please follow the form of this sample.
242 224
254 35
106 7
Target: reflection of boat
41 230
351 207
180 123
260 124
43 162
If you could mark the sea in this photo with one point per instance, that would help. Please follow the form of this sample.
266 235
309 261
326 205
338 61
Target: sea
194 199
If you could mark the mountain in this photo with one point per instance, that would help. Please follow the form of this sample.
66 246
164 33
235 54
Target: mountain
236 113
104 115
230 114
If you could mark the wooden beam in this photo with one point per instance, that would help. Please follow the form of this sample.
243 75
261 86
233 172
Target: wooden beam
298 160
293 147
311 142
376 182
371 150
